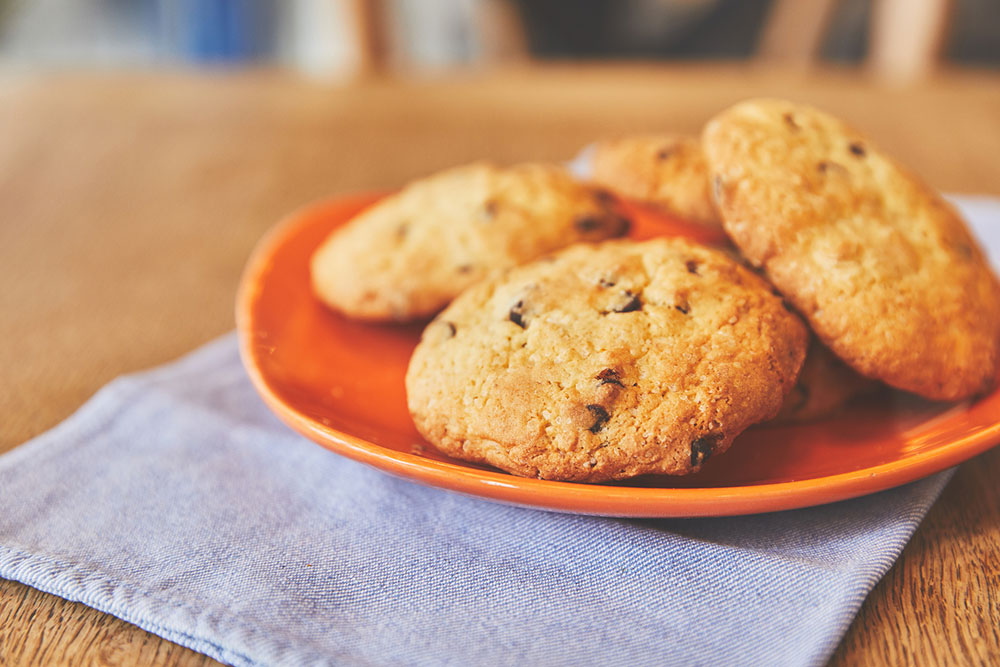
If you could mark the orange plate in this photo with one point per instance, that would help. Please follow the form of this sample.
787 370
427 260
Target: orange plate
340 383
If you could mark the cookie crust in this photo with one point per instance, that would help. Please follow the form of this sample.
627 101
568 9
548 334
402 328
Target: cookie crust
884 270
668 171
605 362
408 255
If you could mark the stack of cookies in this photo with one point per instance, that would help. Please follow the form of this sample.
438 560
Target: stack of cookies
566 353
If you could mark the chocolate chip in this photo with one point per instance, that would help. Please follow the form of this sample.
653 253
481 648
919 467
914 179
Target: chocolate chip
826 166
703 447
604 196
610 376
634 303
588 224
516 315
607 282
451 328
489 211
692 266
684 307
790 121
601 417
664 153
857 149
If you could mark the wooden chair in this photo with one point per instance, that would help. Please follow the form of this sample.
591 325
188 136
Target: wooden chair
495 24
906 38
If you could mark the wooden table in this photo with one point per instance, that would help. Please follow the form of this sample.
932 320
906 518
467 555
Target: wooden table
128 204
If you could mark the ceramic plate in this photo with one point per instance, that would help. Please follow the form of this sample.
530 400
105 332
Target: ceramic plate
340 383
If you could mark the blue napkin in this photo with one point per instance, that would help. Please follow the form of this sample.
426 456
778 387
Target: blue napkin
175 501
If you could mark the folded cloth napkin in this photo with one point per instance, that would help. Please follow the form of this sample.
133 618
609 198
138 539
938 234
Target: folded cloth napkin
174 500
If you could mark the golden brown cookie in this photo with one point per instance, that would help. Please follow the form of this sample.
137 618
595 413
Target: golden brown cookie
884 269
410 254
667 171
824 385
605 362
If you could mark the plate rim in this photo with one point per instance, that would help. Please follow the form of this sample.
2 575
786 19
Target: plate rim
571 497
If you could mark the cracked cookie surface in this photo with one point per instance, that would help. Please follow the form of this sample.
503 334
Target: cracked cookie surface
884 270
605 362
411 253
667 171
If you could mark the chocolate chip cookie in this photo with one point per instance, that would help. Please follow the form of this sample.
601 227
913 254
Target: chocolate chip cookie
604 362
667 171
410 254
825 384
884 270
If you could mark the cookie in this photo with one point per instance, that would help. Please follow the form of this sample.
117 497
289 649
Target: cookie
410 254
666 171
884 270
605 362
824 385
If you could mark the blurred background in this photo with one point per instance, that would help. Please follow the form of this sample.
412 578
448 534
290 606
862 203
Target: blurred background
333 38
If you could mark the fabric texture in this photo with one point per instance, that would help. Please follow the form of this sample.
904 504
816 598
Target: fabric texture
174 500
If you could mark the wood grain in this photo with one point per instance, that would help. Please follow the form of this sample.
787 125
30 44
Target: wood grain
939 604
41 629
130 202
